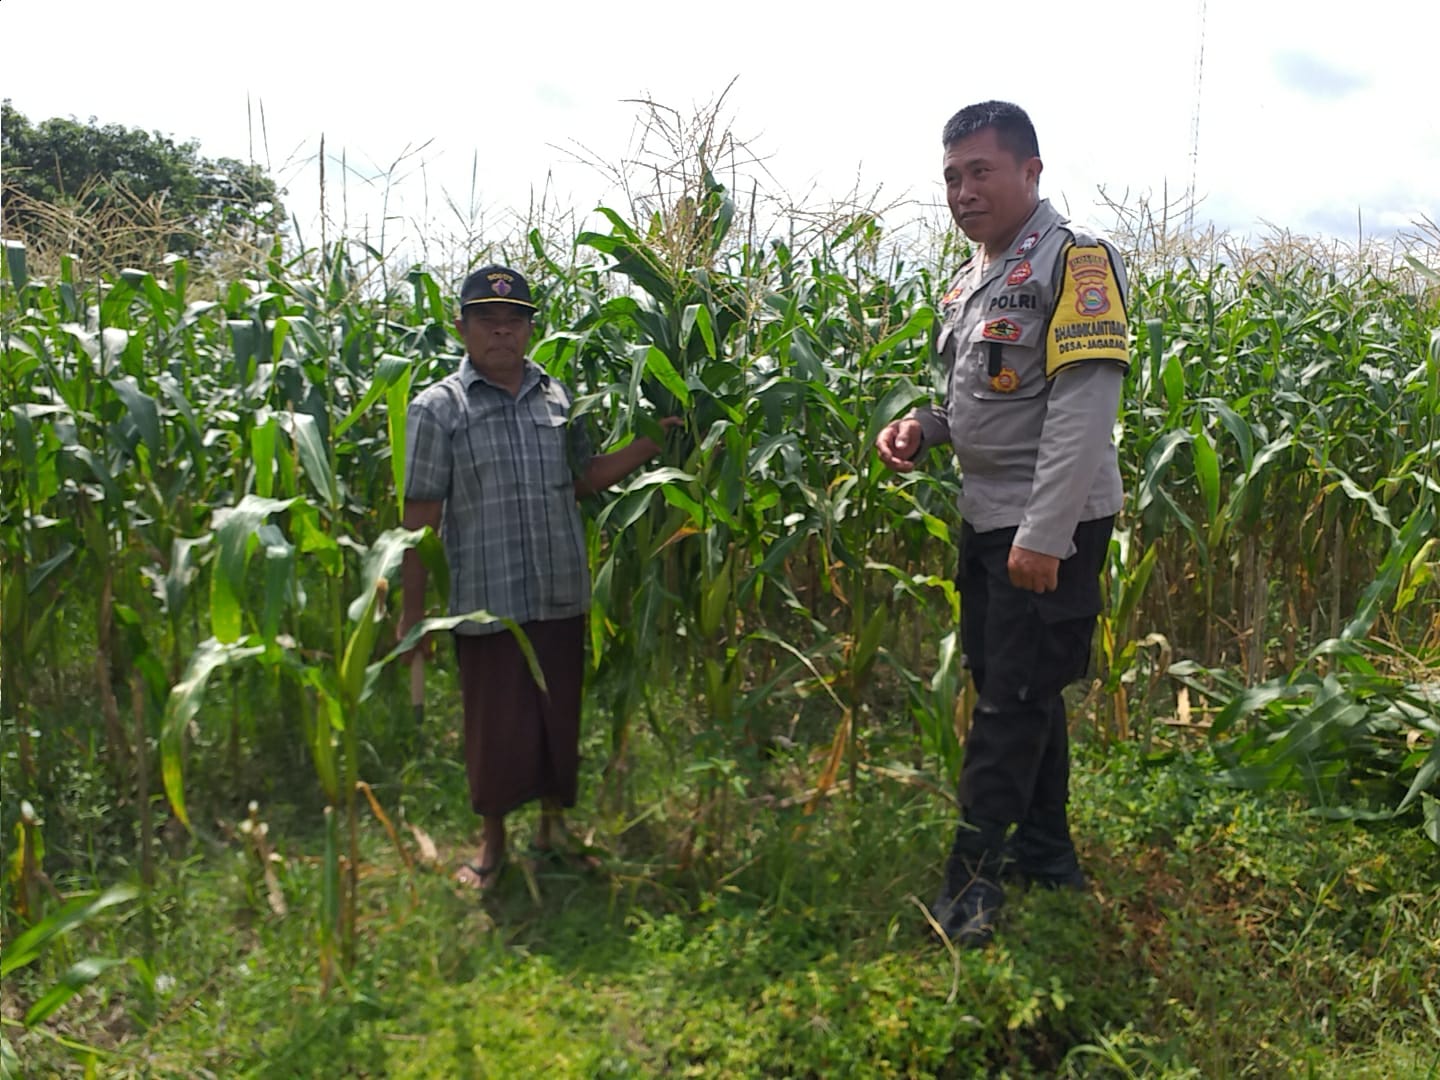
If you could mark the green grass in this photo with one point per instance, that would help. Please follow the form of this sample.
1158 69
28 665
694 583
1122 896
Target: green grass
1229 934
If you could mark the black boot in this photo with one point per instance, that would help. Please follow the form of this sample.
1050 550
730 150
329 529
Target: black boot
1042 853
969 904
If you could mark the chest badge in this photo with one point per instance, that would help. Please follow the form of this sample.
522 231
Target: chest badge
1006 382
951 296
1020 274
1001 330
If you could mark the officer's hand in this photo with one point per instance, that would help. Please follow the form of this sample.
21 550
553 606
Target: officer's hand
898 443
1033 571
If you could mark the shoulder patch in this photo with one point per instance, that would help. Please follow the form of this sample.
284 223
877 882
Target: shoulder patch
1088 322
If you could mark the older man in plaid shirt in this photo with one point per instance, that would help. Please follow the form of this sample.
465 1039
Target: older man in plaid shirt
494 463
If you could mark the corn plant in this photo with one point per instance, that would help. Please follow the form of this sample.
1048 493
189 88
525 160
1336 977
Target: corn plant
201 485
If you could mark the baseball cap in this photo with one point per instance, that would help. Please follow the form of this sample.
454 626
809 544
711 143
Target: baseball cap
496 285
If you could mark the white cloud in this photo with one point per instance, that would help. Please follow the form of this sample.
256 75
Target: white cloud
1315 77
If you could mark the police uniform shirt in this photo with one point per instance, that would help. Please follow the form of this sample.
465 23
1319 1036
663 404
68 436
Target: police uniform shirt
1036 348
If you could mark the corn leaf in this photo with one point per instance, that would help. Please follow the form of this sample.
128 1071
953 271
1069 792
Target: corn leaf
450 622
659 365
390 370
869 642
75 979
314 458
697 317
262 453
143 410
15 263
397 399
183 705
75 912
235 530
1426 779
1207 474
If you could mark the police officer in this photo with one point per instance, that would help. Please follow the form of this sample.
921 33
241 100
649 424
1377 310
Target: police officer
1034 339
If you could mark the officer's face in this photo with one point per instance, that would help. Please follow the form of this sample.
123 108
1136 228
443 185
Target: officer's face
990 192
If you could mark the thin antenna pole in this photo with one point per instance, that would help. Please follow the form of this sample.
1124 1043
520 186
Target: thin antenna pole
1195 118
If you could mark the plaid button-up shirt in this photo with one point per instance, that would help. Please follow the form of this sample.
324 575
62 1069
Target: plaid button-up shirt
505 467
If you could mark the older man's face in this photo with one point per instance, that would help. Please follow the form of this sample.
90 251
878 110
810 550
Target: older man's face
495 335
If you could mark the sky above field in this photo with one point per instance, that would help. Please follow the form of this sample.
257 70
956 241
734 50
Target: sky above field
442 117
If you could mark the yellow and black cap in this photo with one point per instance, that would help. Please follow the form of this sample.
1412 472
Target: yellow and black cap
496 285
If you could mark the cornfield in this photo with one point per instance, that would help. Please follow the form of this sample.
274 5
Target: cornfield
201 491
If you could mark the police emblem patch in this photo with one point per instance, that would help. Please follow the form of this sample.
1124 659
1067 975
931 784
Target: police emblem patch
1090 270
1028 243
1091 300
951 296
1001 330
1020 274
501 287
1007 382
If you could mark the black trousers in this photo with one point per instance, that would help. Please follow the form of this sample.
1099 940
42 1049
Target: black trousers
1023 648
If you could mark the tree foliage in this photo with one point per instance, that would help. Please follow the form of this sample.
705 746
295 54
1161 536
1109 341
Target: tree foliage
60 172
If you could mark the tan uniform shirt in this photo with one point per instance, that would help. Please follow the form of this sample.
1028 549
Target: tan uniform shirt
1036 348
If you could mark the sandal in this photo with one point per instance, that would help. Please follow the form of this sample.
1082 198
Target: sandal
472 875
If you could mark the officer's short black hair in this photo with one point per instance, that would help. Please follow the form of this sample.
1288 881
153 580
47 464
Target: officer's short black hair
1012 127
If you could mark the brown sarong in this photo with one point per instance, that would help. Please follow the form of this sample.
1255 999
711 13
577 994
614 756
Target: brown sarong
522 744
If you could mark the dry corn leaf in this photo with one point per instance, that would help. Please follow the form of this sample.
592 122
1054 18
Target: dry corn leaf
429 853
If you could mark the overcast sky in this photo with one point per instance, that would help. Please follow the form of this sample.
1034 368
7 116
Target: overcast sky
1317 118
